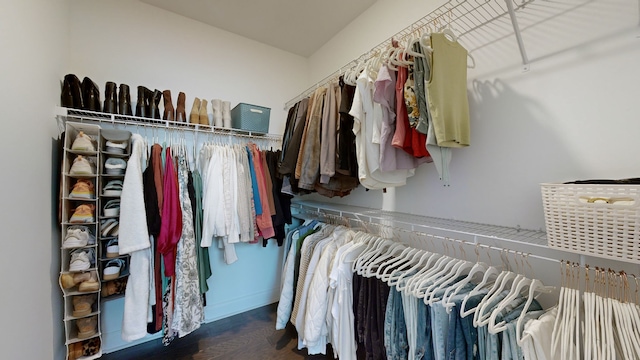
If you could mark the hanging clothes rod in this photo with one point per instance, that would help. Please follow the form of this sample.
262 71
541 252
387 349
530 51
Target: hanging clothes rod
126 120
464 16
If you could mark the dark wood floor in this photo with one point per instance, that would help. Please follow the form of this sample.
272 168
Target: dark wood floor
247 336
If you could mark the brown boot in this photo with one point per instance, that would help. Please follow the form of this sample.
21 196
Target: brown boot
87 327
89 284
169 111
194 116
70 280
181 113
204 113
83 305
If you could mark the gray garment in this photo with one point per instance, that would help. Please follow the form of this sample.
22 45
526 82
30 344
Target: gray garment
290 155
308 165
421 74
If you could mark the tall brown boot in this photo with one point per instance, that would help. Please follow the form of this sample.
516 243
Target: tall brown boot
181 112
204 113
91 95
194 116
169 111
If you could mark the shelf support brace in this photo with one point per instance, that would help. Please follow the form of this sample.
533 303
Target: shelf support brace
516 31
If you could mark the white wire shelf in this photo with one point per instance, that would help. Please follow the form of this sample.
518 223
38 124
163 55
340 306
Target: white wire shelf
466 17
76 115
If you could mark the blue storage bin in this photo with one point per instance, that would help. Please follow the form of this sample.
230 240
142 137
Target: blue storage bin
250 118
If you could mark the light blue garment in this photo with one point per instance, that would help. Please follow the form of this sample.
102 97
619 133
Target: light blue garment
395 329
254 184
440 328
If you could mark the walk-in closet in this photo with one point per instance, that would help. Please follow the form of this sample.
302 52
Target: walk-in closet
369 179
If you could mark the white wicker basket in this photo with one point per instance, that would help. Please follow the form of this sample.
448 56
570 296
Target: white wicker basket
594 219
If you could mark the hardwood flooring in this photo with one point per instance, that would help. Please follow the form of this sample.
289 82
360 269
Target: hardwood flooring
247 336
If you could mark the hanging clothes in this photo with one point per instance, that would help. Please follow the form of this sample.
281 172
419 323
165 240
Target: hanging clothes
152 210
188 312
391 158
447 92
368 153
171 228
134 240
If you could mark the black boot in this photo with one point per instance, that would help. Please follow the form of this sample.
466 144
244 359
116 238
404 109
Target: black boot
90 95
142 106
71 96
154 104
110 98
124 100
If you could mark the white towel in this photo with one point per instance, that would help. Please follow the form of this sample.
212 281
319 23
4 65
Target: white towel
134 240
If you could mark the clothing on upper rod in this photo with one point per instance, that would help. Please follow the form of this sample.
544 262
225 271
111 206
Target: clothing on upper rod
409 107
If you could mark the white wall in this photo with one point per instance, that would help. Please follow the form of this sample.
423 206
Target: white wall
34 47
138 44
572 116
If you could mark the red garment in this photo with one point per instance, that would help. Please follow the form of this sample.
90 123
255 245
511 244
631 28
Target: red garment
407 138
171 227
264 222
402 117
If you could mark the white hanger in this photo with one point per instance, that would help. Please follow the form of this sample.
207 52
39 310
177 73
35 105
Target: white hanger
407 268
452 291
374 264
432 281
416 281
386 268
373 246
458 271
491 271
423 265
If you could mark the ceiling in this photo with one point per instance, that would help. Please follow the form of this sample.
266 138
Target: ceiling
297 26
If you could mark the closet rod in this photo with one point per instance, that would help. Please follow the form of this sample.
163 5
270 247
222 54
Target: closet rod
127 120
427 235
467 15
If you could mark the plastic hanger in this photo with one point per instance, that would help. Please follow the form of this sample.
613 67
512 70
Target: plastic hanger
462 266
452 291
373 245
416 281
375 264
385 269
409 267
424 264
491 272
435 279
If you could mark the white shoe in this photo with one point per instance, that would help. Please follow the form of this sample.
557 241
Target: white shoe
226 114
216 104
116 147
83 142
82 166
115 166
81 260
112 269
78 236
113 250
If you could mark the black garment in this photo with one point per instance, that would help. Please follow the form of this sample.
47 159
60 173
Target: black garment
282 201
347 161
151 200
290 156
288 130
153 225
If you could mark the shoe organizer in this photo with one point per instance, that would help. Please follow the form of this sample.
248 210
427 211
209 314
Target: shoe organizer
81 280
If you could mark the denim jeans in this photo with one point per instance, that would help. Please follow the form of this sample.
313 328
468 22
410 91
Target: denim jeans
395 329
424 334
440 328
456 346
